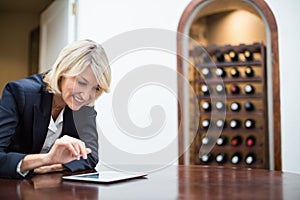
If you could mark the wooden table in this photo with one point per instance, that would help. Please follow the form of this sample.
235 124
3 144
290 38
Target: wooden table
174 182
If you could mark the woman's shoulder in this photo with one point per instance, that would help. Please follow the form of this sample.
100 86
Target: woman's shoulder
32 84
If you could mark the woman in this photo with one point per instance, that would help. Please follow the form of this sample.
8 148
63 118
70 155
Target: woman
47 121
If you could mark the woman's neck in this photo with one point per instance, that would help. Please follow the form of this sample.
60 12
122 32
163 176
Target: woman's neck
57 105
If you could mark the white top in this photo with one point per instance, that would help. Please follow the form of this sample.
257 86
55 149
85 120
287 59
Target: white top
54 131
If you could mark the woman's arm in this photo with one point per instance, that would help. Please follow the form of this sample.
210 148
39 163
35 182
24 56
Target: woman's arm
64 150
86 130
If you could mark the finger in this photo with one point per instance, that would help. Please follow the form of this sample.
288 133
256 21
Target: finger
88 150
77 149
41 170
82 150
72 149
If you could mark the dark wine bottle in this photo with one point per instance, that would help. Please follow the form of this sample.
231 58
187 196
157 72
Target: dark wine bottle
234 123
205 89
220 123
249 89
220 158
205 57
236 158
206 158
206 72
233 55
235 89
250 141
236 141
220 88
249 123
249 72
248 55
205 140
219 56
235 106
250 158
221 141
205 123
234 72
220 105
206 106
220 72
249 106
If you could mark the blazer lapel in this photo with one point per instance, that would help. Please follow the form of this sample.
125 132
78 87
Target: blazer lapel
41 121
69 127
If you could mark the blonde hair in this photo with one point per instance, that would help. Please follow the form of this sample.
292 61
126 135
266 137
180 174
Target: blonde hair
74 59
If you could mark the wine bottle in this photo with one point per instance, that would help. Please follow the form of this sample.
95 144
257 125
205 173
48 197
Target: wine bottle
205 89
220 123
205 57
234 72
205 140
221 158
249 106
249 89
220 88
221 141
235 107
249 123
206 106
250 141
219 56
236 158
249 72
220 72
234 123
250 158
220 105
205 123
233 55
206 72
236 141
234 89
206 158
248 55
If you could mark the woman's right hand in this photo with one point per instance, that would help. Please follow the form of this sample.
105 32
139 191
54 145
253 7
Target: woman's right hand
67 149
64 150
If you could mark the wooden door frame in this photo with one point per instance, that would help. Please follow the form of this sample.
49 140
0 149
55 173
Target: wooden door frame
272 26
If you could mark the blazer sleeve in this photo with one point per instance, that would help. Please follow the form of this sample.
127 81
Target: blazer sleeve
11 103
85 125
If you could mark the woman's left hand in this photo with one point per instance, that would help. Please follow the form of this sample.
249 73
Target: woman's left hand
49 168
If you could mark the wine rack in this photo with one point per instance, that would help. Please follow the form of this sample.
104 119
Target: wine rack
244 137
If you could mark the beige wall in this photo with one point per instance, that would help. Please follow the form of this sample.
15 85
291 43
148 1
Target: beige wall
232 27
14 44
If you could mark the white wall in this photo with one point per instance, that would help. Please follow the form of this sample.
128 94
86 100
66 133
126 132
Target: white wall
288 16
102 20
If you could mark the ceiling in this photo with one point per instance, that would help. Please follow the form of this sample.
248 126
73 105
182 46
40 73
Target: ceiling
34 6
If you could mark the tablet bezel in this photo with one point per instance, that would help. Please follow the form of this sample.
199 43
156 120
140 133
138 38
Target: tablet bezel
122 176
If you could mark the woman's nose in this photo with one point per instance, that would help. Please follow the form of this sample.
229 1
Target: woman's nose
88 95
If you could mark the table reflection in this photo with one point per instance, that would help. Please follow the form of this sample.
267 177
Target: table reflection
51 186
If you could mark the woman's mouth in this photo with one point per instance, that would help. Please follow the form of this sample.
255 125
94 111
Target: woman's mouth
78 100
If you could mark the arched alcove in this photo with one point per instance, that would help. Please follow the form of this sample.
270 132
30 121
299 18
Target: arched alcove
198 16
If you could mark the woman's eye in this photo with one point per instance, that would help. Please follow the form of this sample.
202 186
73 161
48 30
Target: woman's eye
97 89
81 83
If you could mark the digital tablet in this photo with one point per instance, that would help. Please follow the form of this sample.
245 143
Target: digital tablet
104 177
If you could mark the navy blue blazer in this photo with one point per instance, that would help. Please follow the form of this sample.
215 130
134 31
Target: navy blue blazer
25 111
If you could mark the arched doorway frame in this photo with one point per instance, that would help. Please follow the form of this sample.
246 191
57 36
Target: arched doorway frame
273 77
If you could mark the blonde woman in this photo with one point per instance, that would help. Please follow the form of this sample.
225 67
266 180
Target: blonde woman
47 121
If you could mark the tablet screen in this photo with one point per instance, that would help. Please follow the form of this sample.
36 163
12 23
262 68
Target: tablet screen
104 177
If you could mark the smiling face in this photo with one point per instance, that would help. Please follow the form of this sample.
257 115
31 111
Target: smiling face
80 90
